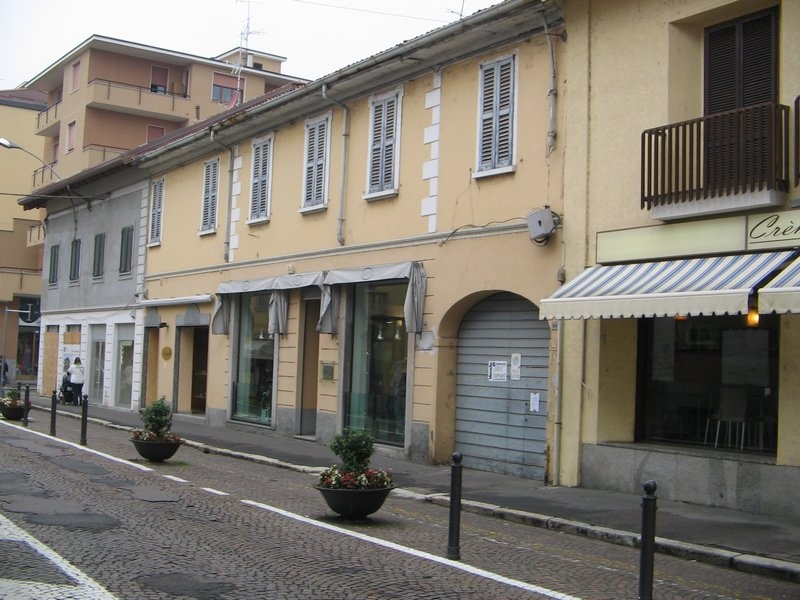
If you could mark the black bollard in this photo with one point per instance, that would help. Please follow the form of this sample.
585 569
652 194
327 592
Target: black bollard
84 418
648 546
453 545
27 404
53 402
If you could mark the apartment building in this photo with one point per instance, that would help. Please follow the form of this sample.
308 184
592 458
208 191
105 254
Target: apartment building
678 319
106 96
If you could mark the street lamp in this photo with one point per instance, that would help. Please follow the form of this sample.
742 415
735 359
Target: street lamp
12 146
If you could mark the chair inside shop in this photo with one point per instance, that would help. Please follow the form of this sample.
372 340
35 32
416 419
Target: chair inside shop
732 414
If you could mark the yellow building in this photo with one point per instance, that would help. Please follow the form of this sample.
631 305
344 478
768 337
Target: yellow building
20 247
681 196
368 250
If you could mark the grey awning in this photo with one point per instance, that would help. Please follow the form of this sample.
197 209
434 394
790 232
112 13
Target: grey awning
696 286
782 294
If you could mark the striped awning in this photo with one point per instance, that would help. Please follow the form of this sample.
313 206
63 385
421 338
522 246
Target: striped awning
782 294
712 285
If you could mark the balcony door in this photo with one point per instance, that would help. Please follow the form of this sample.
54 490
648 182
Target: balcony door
740 72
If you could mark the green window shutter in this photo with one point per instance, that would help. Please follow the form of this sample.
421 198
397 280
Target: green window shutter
497 115
210 187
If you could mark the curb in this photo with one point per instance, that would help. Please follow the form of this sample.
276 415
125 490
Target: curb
749 563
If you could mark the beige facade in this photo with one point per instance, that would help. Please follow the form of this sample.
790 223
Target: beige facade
463 225
631 67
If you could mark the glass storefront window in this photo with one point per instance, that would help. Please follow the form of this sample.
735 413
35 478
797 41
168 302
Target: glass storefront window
696 367
375 399
254 374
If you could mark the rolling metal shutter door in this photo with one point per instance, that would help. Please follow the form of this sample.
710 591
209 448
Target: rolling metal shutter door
495 427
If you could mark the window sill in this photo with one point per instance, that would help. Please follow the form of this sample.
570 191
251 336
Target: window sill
492 172
258 221
382 195
313 209
155 244
207 232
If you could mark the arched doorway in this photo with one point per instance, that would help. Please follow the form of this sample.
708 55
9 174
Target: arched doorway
501 387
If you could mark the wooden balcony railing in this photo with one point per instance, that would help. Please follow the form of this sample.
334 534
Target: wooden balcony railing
797 141
717 155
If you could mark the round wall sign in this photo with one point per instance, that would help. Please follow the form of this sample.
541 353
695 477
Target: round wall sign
166 353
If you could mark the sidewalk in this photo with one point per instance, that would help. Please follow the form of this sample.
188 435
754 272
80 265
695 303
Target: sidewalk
753 543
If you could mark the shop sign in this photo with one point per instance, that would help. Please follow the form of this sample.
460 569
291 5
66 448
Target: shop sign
773 230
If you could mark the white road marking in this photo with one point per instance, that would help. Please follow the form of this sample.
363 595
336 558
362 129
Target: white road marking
414 552
213 491
85 588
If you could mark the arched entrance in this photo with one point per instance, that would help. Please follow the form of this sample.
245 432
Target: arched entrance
501 387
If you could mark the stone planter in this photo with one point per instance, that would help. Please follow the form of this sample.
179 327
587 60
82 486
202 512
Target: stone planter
352 504
12 413
156 450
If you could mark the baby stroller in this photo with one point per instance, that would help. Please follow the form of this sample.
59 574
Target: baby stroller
65 395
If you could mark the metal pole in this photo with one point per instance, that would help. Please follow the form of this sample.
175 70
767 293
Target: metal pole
3 374
648 541
453 545
27 405
53 401
84 418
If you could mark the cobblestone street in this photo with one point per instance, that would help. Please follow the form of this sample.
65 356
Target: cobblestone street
208 526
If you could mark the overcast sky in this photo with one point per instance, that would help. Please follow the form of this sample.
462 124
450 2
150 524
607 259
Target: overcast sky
317 37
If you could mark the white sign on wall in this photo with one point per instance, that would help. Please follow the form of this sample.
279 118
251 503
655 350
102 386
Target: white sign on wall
498 370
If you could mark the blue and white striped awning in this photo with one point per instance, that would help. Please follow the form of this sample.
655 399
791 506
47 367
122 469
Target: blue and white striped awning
782 294
713 285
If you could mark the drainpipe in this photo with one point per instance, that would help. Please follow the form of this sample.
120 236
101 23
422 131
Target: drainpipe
557 400
343 176
551 129
226 243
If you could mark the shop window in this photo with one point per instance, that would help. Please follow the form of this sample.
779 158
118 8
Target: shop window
256 353
691 365
376 400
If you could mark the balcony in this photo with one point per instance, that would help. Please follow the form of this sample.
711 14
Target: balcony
145 101
35 235
48 121
724 162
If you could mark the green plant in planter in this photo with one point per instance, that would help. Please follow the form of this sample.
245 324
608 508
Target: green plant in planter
156 423
354 448
12 398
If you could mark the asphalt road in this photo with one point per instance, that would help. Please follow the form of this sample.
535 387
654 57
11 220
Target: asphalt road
209 526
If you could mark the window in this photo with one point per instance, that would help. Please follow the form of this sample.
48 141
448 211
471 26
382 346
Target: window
376 400
225 89
52 278
689 367
75 260
495 145
126 250
72 130
98 264
383 156
256 357
315 186
156 211
208 221
262 173
158 79
75 76
154 132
